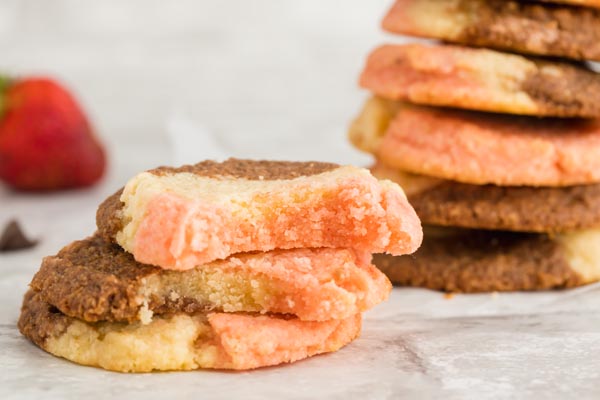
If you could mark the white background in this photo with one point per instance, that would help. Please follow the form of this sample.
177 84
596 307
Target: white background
261 74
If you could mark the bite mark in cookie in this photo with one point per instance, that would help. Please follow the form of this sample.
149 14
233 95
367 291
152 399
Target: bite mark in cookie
178 220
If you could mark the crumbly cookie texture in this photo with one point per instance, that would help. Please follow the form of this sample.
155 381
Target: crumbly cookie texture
512 208
480 148
520 27
469 261
481 79
181 218
181 341
95 280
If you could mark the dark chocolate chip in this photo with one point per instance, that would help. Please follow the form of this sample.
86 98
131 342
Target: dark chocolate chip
13 238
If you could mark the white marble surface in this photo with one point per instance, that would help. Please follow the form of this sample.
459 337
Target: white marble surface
169 82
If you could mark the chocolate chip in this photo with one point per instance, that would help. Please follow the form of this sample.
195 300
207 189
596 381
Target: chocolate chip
13 238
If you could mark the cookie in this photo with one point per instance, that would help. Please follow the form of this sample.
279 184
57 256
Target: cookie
515 26
510 208
181 341
480 148
178 218
472 261
582 3
481 79
94 280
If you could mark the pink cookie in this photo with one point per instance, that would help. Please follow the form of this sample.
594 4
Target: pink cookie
483 80
480 148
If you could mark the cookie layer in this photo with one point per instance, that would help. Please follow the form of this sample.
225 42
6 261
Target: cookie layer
181 218
521 27
582 3
182 341
468 261
94 280
481 79
510 208
480 148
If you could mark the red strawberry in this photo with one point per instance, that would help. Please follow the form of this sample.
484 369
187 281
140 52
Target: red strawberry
46 141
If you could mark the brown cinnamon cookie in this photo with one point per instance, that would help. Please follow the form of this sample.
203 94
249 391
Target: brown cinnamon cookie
470 261
512 208
516 26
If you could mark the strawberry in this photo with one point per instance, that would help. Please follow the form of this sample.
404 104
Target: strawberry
46 141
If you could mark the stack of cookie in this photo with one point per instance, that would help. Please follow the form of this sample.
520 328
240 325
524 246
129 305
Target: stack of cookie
498 152
232 265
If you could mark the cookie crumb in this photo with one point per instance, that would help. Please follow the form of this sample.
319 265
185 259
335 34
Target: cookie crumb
145 314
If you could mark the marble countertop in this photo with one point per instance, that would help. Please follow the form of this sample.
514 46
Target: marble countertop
175 82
